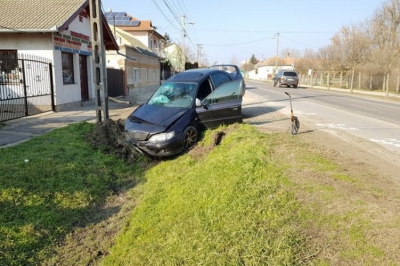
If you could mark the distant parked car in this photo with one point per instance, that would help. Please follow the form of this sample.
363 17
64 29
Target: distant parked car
187 103
287 78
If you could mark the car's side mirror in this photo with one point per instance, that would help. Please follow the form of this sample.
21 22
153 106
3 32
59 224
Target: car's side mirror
198 102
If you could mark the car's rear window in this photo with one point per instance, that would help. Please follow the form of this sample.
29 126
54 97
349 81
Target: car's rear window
292 74
188 75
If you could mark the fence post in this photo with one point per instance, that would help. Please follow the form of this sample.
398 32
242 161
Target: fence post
24 81
321 78
384 82
397 85
311 79
387 85
53 106
328 81
370 82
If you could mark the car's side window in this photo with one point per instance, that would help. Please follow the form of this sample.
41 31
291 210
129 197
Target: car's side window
219 78
204 90
226 92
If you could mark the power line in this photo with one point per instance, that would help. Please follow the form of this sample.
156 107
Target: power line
172 12
233 44
165 16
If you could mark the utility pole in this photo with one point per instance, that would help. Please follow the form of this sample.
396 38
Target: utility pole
99 66
277 52
183 18
199 52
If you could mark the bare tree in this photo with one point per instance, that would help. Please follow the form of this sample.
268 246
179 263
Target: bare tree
291 53
352 46
384 32
234 60
247 66
308 61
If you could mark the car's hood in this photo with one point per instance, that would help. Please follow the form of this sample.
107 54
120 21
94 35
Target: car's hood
154 118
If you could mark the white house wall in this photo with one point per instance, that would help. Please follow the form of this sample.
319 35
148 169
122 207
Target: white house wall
73 40
37 44
265 72
49 46
143 37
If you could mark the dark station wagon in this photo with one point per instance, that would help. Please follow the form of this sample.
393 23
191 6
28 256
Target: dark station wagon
171 120
286 78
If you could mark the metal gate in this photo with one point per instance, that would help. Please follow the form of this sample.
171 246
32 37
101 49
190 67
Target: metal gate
115 82
26 86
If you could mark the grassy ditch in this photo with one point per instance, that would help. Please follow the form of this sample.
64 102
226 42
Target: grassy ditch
51 185
240 197
229 206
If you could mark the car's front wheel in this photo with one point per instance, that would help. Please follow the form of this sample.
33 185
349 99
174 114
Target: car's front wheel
190 136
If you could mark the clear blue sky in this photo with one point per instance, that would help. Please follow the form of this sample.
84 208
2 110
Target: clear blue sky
229 29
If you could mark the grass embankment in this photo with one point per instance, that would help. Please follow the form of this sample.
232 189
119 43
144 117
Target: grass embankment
232 206
255 199
58 188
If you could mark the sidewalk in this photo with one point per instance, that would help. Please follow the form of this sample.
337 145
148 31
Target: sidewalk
356 91
376 93
22 129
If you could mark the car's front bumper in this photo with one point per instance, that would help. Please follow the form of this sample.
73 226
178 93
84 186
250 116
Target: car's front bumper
158 149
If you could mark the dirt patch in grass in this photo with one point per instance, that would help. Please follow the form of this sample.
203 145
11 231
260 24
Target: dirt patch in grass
88 245
203 148
109 137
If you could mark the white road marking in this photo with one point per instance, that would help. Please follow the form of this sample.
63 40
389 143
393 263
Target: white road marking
387 141
302 113
339 126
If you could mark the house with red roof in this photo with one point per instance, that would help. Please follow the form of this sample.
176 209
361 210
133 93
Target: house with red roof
139 59
265 69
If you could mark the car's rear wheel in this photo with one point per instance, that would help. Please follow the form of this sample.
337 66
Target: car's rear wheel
294 86
190 136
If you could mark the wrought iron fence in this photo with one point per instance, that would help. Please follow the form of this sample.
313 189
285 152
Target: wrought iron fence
26 86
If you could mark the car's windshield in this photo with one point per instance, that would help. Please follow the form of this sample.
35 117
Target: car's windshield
174 94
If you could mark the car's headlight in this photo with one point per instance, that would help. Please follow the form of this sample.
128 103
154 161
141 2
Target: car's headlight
162 137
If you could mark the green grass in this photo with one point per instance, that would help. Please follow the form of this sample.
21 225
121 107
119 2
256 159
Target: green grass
232 207
255 199
57 190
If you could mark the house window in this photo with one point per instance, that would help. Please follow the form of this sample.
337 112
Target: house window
9 66
136 75
153 74
67 61
146 75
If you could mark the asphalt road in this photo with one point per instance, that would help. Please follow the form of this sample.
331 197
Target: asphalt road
372 118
